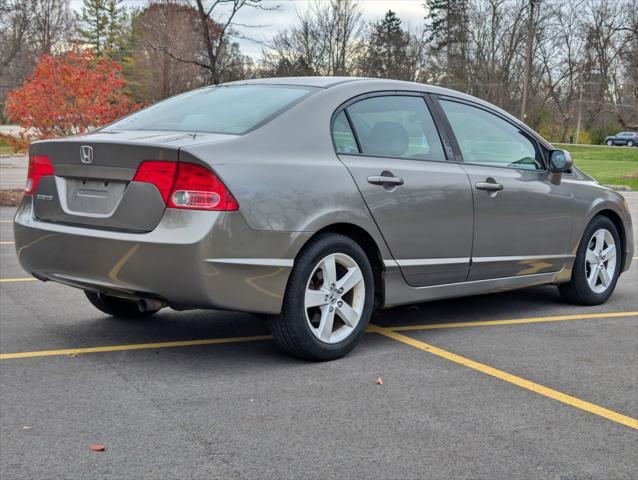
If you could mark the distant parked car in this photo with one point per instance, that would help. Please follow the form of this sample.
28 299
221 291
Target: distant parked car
623 138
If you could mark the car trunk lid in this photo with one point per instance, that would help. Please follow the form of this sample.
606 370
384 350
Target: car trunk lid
93 185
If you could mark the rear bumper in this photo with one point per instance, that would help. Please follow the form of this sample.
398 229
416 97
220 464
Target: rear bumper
193 259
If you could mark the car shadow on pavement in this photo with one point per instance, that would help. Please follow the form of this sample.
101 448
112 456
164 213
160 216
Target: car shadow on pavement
171 326
530 302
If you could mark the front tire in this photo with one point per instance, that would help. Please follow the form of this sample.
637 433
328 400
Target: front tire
630 143
328 302
117 307
597 264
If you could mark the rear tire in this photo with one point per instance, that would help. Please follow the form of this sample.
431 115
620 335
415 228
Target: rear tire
328 302
610 143
597 265
117 307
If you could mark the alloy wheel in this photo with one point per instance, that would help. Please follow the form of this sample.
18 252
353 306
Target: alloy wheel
600 261
334 298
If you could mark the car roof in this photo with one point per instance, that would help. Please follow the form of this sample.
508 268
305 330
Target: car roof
327 82
321 82
370 83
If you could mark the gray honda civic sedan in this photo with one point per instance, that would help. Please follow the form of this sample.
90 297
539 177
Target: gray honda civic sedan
315 201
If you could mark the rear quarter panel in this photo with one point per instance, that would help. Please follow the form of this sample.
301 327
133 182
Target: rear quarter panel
286 175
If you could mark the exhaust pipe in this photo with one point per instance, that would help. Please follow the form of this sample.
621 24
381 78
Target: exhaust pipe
150 305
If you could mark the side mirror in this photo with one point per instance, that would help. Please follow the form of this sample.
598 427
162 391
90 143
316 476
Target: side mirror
560 161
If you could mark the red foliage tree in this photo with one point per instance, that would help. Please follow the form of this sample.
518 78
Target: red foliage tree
69 94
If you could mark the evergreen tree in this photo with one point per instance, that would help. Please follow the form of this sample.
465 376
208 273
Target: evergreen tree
447 21
117 31
104 27
387 55
93 29
436 21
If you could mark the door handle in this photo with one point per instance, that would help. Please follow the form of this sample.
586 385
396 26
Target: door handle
383 180
489 186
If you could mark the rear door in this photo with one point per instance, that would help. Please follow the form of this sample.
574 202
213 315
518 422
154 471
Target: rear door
522 212
421 202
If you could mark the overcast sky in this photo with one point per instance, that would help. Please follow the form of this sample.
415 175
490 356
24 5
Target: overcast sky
410 11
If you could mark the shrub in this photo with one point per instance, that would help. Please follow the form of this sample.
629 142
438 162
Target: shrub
69 94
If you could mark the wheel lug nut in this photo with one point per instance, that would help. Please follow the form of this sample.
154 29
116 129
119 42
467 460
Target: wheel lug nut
339 304
340 290
332 309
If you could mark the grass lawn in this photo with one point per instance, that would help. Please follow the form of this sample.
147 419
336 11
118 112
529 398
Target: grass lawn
608 165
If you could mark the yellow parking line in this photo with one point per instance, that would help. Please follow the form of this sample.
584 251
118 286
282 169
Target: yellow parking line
135 346
513 379
390 333
15 280
6 221
518 321
214 341
7 243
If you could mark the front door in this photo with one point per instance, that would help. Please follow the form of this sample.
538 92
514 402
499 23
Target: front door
522 213
421 202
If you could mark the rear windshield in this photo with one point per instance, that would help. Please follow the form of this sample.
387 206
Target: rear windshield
223 109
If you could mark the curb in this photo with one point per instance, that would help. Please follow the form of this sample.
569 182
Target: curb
619 188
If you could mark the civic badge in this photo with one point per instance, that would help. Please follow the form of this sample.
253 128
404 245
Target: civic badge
86 154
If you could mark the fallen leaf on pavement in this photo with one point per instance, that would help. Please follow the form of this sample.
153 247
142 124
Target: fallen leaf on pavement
379 381
97 447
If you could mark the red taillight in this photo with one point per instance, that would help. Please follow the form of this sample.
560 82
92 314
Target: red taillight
198 188
39 166
160 174
187 186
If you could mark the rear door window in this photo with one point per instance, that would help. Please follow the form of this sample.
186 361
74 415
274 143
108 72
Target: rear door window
396 126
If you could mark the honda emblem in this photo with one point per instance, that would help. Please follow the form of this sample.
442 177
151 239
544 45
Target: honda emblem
86 154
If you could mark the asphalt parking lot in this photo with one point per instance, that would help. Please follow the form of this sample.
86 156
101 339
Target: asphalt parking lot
512 385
